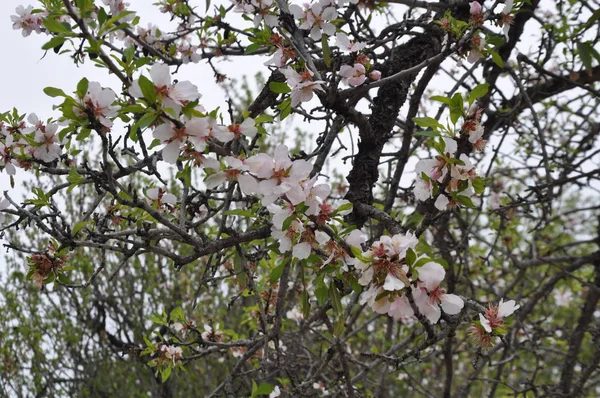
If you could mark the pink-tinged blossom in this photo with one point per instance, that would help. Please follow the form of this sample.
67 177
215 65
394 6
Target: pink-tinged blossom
441 202
369 297
236 171
27 21
429 301
118 7
247 128
303 86
289 240
98 102
401 310
188 52
353 75
172 353
375 75
173 96
494 315
346 45
262 12
6 158
507 308
279 175
477 46
48 149
158 198
563 297
475 8
174 137
315 19
507 18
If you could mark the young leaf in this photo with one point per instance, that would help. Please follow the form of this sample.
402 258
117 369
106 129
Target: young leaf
479 91
279 87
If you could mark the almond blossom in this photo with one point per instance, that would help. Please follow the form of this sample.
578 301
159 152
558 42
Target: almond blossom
429 296
279 175
48 149
98 102
158 198
173 96
27 21
247 128
315 19
507 18
117 7
234 172
353 75
346 45
6 158
494 316
174 137
477 46
172 353
302 85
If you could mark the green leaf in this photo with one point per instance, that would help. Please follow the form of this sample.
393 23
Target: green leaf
85 133
254 47
585 50
321 293
82 87
287 223
457 108
262 389
54 42
177 314
479 91
78 227
479 185
277 272
426 133
411 257
326 50
147 88
465 201
286 108
54 92
344 207
427 122
165 374
56 27
336 301
496 58
439 98
279 87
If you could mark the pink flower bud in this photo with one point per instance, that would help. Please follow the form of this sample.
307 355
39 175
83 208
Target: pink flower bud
475 8
375 75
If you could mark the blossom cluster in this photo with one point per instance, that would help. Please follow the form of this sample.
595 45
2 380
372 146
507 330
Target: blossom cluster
396 275
492 321
445 171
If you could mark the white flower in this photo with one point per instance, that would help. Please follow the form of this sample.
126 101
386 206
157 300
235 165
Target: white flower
158 197
276 392
346 45
27 21
485 323
507 309
353 75
98 102
174 96
49 149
